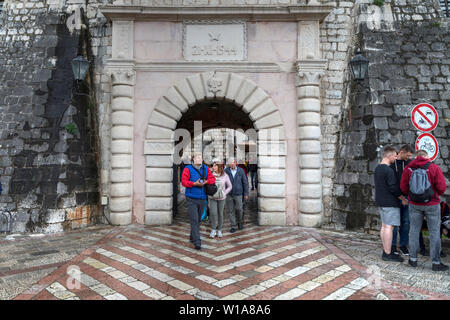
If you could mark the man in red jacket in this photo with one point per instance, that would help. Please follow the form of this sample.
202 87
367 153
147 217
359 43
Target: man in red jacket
194 178
430 209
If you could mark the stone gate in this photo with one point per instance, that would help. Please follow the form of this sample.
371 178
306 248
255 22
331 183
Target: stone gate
165 60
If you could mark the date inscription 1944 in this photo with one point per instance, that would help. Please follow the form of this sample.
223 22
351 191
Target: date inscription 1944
214 48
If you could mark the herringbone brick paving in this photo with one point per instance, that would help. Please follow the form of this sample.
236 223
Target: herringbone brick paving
256 263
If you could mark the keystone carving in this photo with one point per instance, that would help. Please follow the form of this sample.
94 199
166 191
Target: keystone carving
215 85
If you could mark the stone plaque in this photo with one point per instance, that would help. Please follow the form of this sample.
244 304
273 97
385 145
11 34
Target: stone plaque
214 41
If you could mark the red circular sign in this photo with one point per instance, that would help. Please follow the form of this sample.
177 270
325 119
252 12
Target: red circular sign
427 142
424 117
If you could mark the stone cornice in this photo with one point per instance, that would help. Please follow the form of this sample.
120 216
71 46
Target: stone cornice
226 66
248 13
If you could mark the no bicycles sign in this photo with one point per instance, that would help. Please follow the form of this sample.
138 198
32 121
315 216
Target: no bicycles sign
424 117
426 141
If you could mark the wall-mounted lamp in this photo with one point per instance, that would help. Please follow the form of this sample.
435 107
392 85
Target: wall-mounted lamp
359 66
80 67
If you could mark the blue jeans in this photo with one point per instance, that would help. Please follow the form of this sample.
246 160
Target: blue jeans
404 228
433 214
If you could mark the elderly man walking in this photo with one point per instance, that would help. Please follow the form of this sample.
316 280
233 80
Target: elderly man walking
234 200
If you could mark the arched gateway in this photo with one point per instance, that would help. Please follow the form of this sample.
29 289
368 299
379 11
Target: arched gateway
264 59
159 143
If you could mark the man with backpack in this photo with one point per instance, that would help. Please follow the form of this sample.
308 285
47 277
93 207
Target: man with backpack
424 182
194 178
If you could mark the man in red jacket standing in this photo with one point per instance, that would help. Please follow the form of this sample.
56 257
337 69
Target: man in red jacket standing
430 209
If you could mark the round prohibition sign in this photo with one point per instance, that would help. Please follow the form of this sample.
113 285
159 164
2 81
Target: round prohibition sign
424 117
426 141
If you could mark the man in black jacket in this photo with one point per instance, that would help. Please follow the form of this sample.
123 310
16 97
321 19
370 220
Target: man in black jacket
388 198
238 193
403 159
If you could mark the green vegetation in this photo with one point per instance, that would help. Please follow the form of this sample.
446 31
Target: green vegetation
379 3
436 24
71 128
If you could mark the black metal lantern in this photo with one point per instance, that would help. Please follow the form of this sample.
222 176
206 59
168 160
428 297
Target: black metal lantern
359 66
80 67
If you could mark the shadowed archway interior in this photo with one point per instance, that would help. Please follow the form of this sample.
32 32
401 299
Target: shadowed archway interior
215 114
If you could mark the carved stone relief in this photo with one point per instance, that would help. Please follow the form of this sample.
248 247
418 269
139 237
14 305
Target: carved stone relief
214 41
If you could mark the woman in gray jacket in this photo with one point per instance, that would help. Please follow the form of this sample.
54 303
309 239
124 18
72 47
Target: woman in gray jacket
216 202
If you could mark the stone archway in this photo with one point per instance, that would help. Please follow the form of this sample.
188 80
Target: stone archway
271 149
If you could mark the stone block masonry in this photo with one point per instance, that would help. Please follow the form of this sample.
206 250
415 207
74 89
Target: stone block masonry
409 54
48 161
51 177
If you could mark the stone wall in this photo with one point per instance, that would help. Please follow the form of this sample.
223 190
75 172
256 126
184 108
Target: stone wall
51 176
48 148
408 45
337 37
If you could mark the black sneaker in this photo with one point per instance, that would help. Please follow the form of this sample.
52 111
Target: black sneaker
198 247
391 257
240 227
232 230
439 267
404 250
412 263
394 249
424 252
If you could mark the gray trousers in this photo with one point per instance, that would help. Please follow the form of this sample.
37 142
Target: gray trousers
433 214
216 213
234 205
195 209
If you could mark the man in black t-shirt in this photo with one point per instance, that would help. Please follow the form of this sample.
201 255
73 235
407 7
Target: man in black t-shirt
388 198
403 159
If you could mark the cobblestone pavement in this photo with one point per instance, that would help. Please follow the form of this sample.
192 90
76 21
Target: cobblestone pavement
258 262
25 259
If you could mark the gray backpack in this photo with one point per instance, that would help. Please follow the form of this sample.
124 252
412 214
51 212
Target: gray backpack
420 189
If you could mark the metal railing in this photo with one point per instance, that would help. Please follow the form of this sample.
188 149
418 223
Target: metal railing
445 5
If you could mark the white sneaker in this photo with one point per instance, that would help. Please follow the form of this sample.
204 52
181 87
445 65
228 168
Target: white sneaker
219 234
213 233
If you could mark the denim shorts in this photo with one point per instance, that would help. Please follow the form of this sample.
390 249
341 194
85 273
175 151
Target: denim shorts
390 216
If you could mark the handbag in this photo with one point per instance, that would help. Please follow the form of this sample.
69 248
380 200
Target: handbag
210 189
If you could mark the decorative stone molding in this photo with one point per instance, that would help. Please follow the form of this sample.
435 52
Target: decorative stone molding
309 135
121 175
215 85
271 146
123 39
214 40
203 66
149 10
